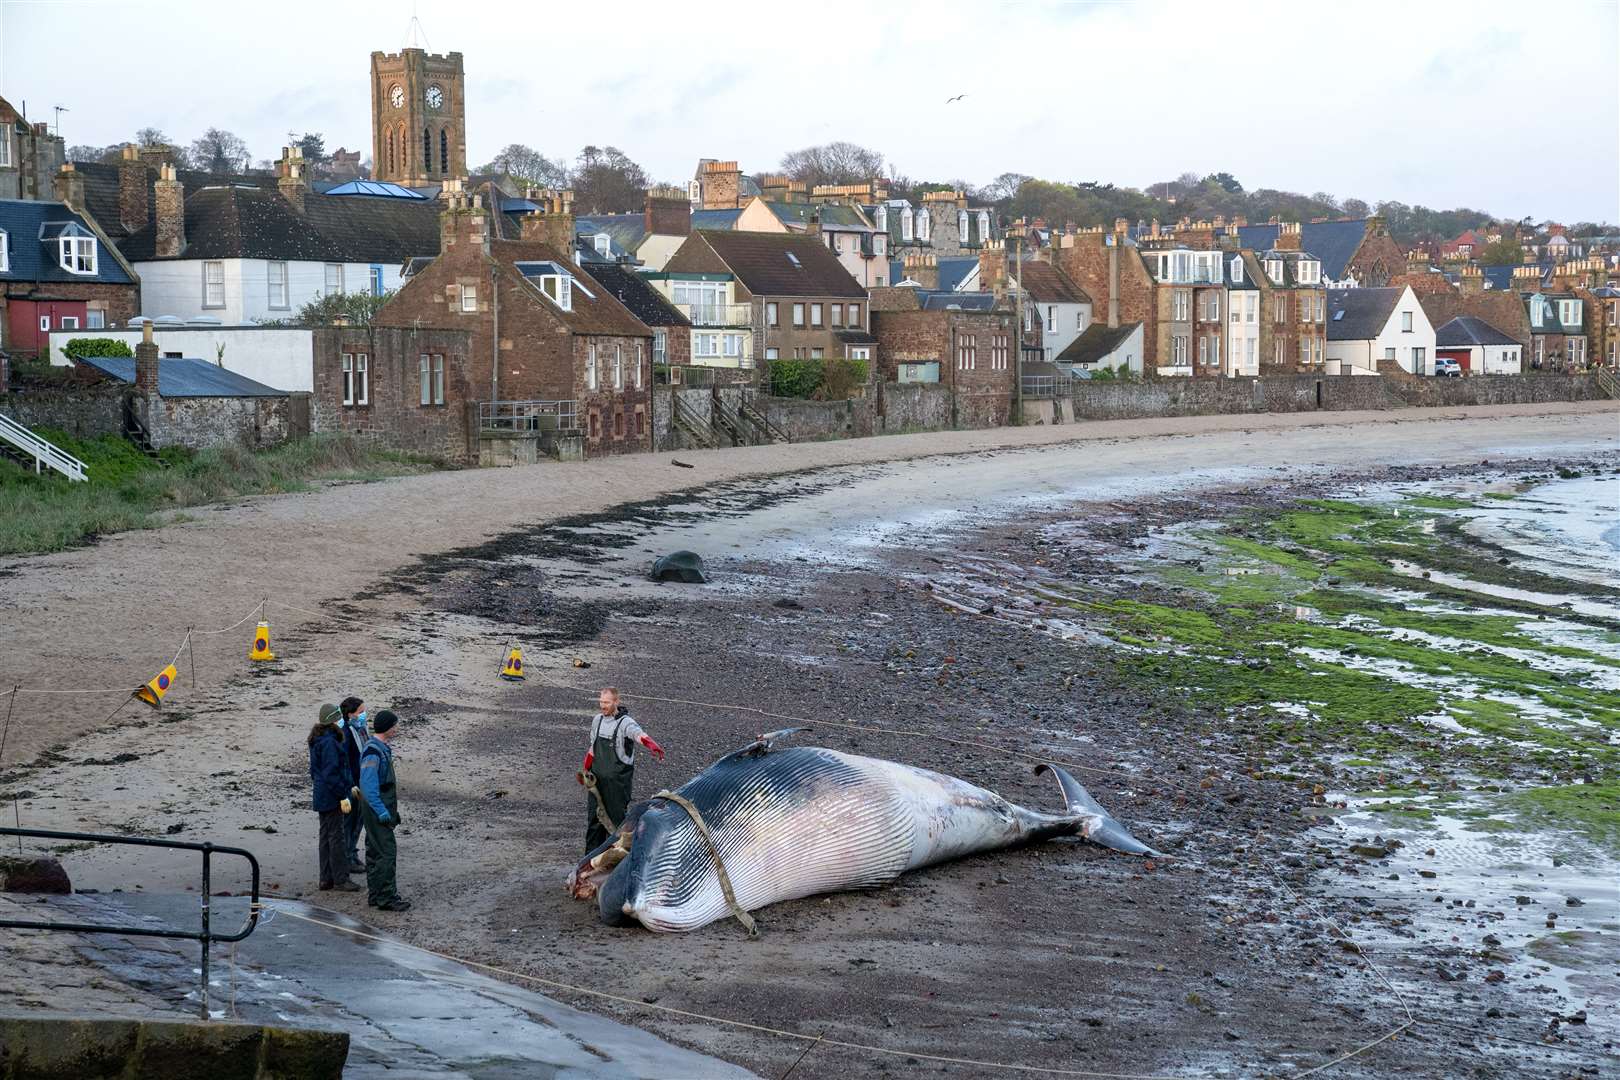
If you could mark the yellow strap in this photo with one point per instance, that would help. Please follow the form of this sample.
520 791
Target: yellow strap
719 864
596 804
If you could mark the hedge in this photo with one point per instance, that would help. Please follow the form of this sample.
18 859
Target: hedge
97 346
817 378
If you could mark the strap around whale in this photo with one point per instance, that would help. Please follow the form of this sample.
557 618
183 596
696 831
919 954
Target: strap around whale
714 852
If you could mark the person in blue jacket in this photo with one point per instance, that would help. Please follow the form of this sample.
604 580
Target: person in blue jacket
380 801
329 776
355 736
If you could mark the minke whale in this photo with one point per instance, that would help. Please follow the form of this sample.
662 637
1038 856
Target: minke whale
802 820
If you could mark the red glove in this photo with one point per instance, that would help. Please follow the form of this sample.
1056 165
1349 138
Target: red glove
657 751
590 756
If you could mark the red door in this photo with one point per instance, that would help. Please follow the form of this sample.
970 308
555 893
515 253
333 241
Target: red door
31 321
1460 355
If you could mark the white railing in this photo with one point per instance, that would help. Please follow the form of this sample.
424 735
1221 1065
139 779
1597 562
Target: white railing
43 452
718 314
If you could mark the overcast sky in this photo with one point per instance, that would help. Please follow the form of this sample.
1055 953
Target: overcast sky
1423 101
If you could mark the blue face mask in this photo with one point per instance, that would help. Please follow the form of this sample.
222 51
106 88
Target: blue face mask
342 722
360 718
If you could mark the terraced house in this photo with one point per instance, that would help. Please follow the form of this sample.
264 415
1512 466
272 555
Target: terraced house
801 301
57 272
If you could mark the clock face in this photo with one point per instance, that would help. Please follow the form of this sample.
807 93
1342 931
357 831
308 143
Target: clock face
435 96
397 97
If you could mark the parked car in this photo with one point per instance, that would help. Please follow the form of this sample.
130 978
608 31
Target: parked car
1448 367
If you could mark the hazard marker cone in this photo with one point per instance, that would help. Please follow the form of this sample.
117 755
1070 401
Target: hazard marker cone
152 693
512 670
261 644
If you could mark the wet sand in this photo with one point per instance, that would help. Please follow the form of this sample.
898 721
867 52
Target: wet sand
1064 955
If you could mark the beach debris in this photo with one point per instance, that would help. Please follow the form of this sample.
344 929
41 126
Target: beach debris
679 464
683 566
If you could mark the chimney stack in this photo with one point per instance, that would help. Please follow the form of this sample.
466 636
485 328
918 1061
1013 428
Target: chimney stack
1471 282
722 185
134 201
992 268
463 218
292 183
923 268
668 212
146 364
69 185
169 206
1287 236
554 224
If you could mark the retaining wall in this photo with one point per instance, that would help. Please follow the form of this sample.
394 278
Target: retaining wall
85 412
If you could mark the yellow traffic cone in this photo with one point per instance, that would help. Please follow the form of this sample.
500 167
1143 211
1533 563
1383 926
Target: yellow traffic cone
513 669
261 644
152 693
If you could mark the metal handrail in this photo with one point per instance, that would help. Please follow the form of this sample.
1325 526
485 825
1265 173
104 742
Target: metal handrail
43 450
528 415
687 419
205 936
750 413
718 314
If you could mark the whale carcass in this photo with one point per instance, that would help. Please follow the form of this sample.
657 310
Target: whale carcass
797 821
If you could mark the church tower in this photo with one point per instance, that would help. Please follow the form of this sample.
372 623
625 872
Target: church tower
418 117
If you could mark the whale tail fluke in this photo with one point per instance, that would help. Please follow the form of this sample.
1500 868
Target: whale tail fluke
1109 833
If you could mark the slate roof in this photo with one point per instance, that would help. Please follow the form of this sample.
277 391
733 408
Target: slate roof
855 337
595 310
101 190
31 258
1467 330
1046 284
1334 242
1499 277
1359 314
778 264
836 217
626 230
252 223
715 219
636 293
179 378
963 301
1252 270
954 268
1095 342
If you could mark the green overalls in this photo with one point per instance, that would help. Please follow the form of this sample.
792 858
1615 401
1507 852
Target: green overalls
613 779
380 847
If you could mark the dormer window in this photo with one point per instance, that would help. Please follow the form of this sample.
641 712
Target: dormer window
1310 271
984 226
905 227
1569 312
78 254
5 245
1237 271
553 281
882 218
604 243
1274 270
924 225
962 225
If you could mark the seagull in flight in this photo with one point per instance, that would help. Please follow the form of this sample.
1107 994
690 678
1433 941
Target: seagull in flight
958 97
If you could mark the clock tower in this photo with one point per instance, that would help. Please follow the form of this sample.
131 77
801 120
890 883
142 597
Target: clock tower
418 117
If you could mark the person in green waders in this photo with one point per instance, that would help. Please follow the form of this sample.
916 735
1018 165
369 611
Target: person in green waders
380 803
611 764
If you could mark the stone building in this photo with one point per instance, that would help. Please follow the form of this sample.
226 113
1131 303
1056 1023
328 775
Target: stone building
418 117
541 329
403 387
1353 251
963 341
1292 305
30 155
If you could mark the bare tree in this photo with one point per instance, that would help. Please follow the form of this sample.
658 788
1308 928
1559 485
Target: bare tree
1004 186
219 151
606 181
833 163
527 164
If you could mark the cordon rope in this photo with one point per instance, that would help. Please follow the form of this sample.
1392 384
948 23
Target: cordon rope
818 1039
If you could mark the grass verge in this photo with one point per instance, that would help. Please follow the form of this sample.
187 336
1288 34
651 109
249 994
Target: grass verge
128 490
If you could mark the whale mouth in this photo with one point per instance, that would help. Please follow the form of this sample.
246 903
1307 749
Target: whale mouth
587 878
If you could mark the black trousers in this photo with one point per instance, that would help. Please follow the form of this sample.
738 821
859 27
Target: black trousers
380 852
334 853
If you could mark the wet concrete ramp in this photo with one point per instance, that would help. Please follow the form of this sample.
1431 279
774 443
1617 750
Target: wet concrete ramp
408 1013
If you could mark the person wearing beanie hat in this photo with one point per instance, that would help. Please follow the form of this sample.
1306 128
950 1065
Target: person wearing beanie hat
381 808
329 775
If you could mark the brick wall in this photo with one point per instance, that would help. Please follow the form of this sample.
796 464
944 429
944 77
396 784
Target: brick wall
120 302
394 414
982 393
615 419
1087 263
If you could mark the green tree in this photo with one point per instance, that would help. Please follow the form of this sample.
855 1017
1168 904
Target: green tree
1505 252
352 309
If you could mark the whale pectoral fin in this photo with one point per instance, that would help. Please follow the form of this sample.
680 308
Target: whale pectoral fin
1107 832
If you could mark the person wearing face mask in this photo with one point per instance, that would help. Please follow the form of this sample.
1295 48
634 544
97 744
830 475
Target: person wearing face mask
352 724
329 777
